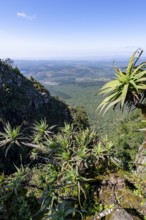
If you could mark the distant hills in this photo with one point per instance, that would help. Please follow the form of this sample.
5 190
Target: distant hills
75 82
62 72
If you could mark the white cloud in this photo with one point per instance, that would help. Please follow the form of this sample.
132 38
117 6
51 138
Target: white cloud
21 14
24 15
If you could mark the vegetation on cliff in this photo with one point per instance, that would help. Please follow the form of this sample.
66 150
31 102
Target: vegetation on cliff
24 101
53 166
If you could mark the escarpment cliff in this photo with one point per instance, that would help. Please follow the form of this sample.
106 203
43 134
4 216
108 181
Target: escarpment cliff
25 100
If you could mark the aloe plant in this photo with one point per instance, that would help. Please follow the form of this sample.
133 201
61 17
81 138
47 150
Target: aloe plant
41 130
62 211
128 87
11 136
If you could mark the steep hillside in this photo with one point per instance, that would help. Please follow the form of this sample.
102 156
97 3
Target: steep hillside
26 100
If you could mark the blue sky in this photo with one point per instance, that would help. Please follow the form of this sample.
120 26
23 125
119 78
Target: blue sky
67 29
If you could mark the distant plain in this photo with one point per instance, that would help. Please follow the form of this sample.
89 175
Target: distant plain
77 83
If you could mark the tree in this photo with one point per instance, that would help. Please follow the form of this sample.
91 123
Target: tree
9 61
128 88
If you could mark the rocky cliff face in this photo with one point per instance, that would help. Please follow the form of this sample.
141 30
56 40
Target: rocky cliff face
24 100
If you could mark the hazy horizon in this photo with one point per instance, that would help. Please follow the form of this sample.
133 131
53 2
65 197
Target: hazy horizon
76 58
75 29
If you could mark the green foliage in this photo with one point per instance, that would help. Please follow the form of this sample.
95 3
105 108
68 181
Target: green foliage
11 137
70 170
72 167
7 63
17 71
14 202
41 130
62 211
65 185
128 86
79 115
38 85
127 139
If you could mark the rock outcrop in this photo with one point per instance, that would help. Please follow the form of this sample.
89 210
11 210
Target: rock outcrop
120 214
118 199
24 100
140 160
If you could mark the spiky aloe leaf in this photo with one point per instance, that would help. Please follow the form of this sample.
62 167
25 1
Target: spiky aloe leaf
124 94
138 68
106 101
131 63
110 101
141 80
141 74
134 85
112 104
109 87
141 86
111 84
122 75
116 70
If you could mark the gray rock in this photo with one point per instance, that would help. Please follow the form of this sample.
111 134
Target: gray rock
140 161
119 214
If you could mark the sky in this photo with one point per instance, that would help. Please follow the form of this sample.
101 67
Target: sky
71 29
